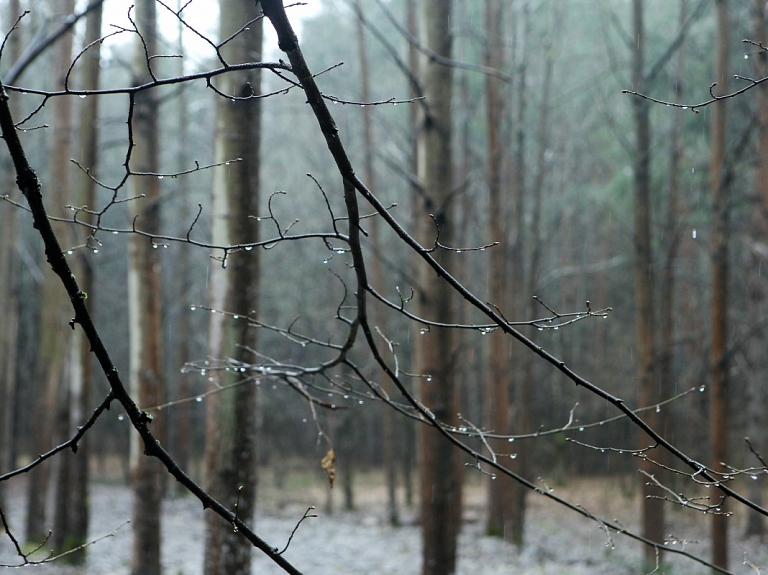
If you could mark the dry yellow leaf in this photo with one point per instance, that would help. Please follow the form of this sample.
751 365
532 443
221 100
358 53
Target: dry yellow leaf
329 466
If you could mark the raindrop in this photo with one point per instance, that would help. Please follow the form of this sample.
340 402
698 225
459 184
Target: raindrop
69 252
702 388
199 398
422 331
202 372
339 251
693 233
746 57
346 396
235 316
227 163
541 329
82 96
429 378
360 402
333 406
581 429
753 477
513 455
304 420
120 417
458 251
511 439
248 248
557 327
325 261
154 246
192 308
658 409
160 177
114 232
684 108
95 251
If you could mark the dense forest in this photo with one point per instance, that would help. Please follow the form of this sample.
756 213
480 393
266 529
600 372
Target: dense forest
467 255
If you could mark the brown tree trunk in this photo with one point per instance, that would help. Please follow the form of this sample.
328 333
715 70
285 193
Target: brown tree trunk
146 357
415 116
505 515
719 414
8 291
71 514
53 347
436 353
755 420
231 422
653 509
377 275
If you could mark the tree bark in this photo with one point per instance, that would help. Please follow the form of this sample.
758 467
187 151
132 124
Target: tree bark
53 343
436 353
75 512
653 509
9 301
505 512
231 422
719 392
146 357
757 283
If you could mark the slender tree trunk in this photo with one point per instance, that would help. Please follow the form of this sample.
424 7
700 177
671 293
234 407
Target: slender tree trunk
377 274
653 509
504 516
436 354
719 393
9 302
415 114
52 351
757 288
520 413
146 357
183 412
71 513
667 301
231 422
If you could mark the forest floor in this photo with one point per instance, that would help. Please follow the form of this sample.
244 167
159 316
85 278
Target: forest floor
558 541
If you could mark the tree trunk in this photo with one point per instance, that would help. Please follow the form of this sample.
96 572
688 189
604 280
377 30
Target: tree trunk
719 415
648 394
53 347
231 422
436 353
415 114
146 357
71 513
9 302
505 517
755 420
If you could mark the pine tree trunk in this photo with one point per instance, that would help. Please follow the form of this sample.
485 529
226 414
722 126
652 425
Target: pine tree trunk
146 357
719 393
9 302
758 288
436 353
505 517
54 341
231 422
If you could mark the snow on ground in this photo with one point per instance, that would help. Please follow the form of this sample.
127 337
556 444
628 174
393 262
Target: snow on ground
558 542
